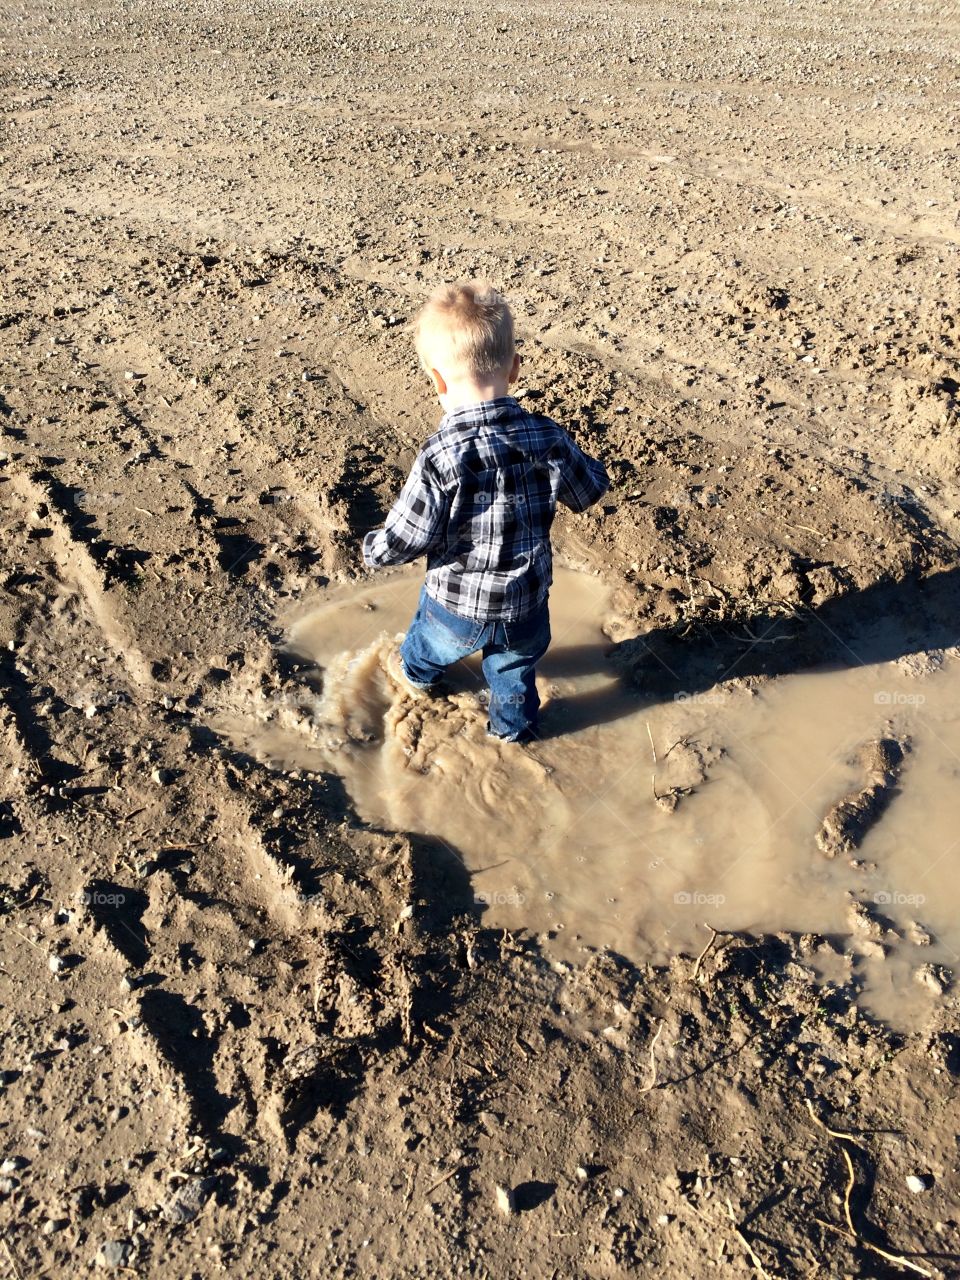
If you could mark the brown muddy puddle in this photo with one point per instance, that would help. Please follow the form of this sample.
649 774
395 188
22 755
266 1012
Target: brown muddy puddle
584 839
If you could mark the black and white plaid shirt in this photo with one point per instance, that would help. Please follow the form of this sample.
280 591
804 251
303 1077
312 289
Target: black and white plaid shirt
479 502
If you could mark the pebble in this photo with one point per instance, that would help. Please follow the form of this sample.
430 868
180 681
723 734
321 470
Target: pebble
186 1202
55 963
917 1182
505 1201
112 1254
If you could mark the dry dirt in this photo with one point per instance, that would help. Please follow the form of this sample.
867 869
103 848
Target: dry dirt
243 1033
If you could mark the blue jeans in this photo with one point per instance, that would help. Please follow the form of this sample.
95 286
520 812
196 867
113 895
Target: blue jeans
511 650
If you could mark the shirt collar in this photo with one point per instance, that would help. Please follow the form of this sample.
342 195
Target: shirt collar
483 410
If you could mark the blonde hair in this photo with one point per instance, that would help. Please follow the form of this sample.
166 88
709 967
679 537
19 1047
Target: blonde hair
467 327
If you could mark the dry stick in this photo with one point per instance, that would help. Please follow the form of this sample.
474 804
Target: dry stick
679 742
745 1242
653 1066
806 528
865 1244
440 1181
650 736
703 954
14 1264
764 639
853 1234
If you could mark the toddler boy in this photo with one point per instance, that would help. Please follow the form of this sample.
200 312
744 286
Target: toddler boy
479 503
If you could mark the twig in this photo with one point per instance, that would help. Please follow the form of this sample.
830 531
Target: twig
745 1242
834 1133
865 1244
440 1181
14 1264
653 1066
853 1234
765 639
650 736
680 742
806 528
703 954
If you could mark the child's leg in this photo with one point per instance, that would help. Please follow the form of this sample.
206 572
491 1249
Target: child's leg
510 669
435 640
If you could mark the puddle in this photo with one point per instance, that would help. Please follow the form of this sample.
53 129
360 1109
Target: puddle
589 840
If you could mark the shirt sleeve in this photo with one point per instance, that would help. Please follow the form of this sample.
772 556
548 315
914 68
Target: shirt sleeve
416 523
583 480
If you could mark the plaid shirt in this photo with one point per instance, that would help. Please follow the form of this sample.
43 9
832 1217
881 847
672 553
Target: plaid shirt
479 502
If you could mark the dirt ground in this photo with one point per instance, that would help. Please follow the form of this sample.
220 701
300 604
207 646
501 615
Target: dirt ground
242 1032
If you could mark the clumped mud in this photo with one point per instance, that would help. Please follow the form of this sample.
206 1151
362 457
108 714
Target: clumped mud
244 1031
880 762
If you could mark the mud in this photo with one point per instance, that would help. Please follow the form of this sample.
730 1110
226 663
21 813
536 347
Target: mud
849 820
635 821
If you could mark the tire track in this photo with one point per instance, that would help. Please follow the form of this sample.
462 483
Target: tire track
77 569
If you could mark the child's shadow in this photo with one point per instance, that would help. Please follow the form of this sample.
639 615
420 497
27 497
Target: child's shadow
882 623
566 713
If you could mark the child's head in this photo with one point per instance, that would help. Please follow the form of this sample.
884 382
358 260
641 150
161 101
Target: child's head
464 337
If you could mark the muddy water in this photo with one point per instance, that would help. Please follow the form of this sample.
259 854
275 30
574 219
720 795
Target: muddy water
636 823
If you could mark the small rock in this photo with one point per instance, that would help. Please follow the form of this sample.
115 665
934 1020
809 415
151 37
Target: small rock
82 1201
187 1201
113 1254
53 1225
13 1163
505 1201
55 963
917 1182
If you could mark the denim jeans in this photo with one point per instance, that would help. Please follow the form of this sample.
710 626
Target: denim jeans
511 650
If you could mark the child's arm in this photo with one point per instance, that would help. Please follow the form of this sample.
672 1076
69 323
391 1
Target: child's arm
416 522
583 480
